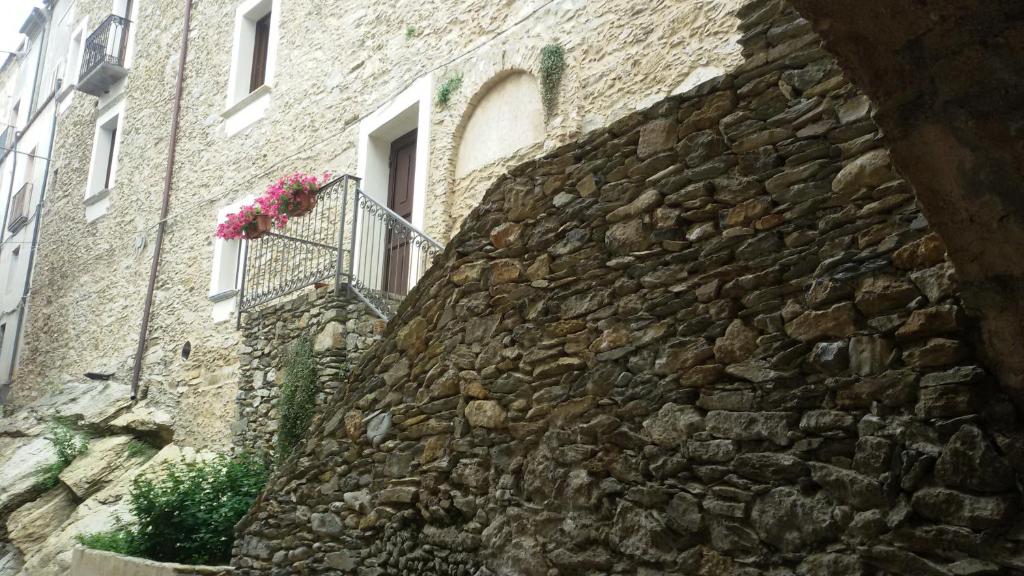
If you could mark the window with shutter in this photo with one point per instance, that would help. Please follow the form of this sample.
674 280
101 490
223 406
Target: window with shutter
261 44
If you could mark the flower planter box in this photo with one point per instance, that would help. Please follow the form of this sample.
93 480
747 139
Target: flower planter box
259 226
302 203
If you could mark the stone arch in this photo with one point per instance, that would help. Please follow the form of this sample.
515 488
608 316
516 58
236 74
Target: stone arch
504 116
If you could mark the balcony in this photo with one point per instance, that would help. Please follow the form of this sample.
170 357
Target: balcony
368 251
103 58
19 207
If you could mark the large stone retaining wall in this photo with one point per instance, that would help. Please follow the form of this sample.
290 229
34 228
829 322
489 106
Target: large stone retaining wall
716 337
340 329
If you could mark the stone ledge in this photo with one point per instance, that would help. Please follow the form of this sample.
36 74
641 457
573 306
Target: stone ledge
86 562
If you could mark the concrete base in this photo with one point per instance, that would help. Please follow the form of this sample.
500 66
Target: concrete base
88 562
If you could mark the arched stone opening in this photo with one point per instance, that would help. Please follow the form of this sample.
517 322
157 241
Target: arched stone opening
503 118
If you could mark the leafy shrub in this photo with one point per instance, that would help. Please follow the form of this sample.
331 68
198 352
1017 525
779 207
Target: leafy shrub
121 540
69 444
187 511
448 88
298 397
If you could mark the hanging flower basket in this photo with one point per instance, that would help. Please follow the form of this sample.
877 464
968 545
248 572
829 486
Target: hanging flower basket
302 203
249 223
290 197
257 227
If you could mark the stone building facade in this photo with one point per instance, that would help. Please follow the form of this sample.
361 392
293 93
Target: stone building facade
715 337
341 81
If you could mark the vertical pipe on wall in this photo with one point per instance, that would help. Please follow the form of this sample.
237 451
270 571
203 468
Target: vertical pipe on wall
147 308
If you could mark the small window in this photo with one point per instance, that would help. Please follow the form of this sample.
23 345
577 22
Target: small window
104 157
253 53
261 45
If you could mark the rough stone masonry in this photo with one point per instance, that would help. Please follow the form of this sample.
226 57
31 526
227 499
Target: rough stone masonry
716 337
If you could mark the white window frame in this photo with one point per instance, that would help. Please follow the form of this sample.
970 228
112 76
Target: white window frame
409 110
73 65
242 107
225 272
97 197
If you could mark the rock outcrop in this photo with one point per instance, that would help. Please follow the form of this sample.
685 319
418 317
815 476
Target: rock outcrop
39 524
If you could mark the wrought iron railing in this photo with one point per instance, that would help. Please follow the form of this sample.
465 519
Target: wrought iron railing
106 44
390 254
304 252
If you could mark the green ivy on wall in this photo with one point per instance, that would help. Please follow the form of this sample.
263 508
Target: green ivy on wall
448 88
298 397
552 67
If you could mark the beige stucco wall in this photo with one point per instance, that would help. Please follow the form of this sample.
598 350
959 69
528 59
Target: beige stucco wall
336 63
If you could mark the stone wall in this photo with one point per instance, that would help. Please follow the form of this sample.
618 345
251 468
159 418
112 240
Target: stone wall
715 337
334 67
340 329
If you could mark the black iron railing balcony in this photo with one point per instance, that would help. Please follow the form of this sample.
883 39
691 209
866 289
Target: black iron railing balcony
390 254
103 56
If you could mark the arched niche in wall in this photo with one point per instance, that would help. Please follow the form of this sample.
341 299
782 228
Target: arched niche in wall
505 116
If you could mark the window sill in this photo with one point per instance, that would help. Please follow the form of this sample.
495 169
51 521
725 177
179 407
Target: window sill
223 295
97 196
247 111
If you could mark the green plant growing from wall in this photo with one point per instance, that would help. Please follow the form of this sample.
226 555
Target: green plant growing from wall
298 397
448 88
185 511
410 32
69 443
552 67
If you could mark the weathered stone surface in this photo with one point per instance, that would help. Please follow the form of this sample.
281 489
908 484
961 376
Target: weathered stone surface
770 467
957 508
791 521
674 424
29 526
970 462
870 355
773 426
880 294
871 169
836 322
485 414
332 336
936 321
848 487
738 343
100 465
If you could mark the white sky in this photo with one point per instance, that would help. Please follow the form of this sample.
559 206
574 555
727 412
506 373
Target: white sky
12 16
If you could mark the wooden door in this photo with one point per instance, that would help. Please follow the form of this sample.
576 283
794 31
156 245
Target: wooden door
400 197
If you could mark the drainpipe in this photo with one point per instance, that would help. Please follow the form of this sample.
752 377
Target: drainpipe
147 309
32 252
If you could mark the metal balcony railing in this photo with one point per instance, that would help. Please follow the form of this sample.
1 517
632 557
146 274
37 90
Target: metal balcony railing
390 255
104 56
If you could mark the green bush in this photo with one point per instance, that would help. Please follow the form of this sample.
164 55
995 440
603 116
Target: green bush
69 444
298 397
187 511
